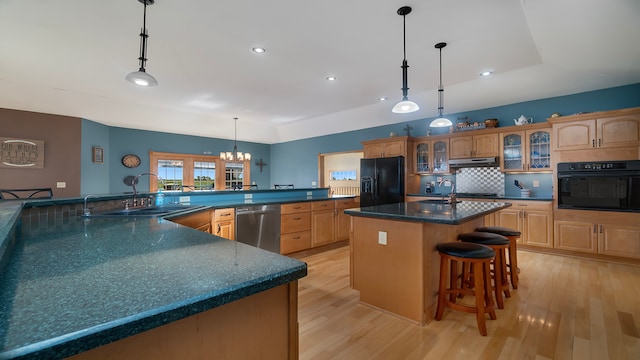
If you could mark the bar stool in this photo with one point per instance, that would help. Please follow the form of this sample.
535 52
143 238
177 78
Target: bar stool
513 236
499 244
478 257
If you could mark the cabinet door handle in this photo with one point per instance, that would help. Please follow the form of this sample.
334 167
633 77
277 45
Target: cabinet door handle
595 228
296 238
219 228
524 214
593 143
600 229
600 142
297 218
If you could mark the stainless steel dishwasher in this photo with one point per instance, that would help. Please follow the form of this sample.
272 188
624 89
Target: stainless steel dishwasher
259 225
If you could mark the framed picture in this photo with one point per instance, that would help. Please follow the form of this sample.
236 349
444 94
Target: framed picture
98 154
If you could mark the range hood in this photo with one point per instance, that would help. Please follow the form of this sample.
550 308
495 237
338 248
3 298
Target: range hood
474 162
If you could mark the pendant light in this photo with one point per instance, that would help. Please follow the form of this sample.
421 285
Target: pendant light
405 106
141 77
235 155
441 121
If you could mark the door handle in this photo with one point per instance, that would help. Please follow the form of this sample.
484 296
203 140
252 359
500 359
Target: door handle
593 143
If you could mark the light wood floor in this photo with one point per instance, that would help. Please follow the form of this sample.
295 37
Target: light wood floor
564 308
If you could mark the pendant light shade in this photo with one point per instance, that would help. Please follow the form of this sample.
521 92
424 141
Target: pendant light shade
235 155
406 105
441 121
141 77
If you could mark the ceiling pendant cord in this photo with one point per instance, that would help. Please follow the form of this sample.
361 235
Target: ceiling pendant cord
441 121
404 106
141 77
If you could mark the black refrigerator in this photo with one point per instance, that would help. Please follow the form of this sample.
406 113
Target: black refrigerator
381 181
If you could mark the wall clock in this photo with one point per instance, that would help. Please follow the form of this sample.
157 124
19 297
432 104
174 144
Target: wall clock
131 160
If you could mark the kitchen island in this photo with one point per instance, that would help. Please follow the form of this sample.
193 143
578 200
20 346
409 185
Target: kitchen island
144 288
394 263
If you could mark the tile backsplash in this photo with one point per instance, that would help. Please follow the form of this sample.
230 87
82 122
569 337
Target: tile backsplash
480 180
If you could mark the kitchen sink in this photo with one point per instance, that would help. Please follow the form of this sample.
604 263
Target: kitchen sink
148 211
438 201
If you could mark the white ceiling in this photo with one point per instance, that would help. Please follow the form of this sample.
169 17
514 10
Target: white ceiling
70 57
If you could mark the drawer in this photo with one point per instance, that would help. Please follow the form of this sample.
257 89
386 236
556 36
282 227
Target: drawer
291 223
530 205
224 214
322 205
295 208
293 242
346 204
196 220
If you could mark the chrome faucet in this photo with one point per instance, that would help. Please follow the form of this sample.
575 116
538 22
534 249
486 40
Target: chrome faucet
452 195
135 181
86 211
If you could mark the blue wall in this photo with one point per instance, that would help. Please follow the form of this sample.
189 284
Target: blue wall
296 162
94 177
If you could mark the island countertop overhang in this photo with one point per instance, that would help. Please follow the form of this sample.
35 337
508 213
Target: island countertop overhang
424 211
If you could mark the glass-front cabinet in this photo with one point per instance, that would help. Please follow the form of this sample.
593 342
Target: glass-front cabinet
432 156
527 150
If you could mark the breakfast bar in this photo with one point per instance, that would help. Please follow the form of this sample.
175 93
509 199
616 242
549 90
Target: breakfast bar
394 263
140 287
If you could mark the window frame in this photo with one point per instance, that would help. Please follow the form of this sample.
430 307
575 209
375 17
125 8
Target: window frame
188 161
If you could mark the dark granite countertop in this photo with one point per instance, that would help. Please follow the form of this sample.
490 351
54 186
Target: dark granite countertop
424 211
497 197
72 286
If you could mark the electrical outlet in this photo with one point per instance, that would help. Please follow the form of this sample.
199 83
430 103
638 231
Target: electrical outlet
433 184
61 184
447 183
536 183
382 237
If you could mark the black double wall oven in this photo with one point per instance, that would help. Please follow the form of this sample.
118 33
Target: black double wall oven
602 185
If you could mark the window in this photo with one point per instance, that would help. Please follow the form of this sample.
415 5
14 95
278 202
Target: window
186 172
204 177
171 171
233 176
342 175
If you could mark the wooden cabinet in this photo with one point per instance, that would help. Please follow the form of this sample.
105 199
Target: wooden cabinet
484 145
385 148
598 232
199 220
295 227
343 221
314 223
431 156
525 150
534 219
224 224
323 222
612 129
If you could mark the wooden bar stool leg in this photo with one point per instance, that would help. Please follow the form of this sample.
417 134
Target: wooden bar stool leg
481 298
486 270
442 289
513 262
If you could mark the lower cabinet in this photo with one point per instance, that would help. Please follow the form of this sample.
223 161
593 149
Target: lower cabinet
223 223
322 222
295 227
604 233
200 220
534 219
312 224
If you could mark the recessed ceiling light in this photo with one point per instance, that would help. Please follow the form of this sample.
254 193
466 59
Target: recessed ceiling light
382 98
258 50
331 78
486 73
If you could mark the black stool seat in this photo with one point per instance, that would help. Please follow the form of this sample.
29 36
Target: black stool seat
499 230
484 238
466 250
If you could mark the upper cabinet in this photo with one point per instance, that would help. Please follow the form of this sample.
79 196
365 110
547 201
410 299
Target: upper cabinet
612 129
431 156
485 145
385 147
525 150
